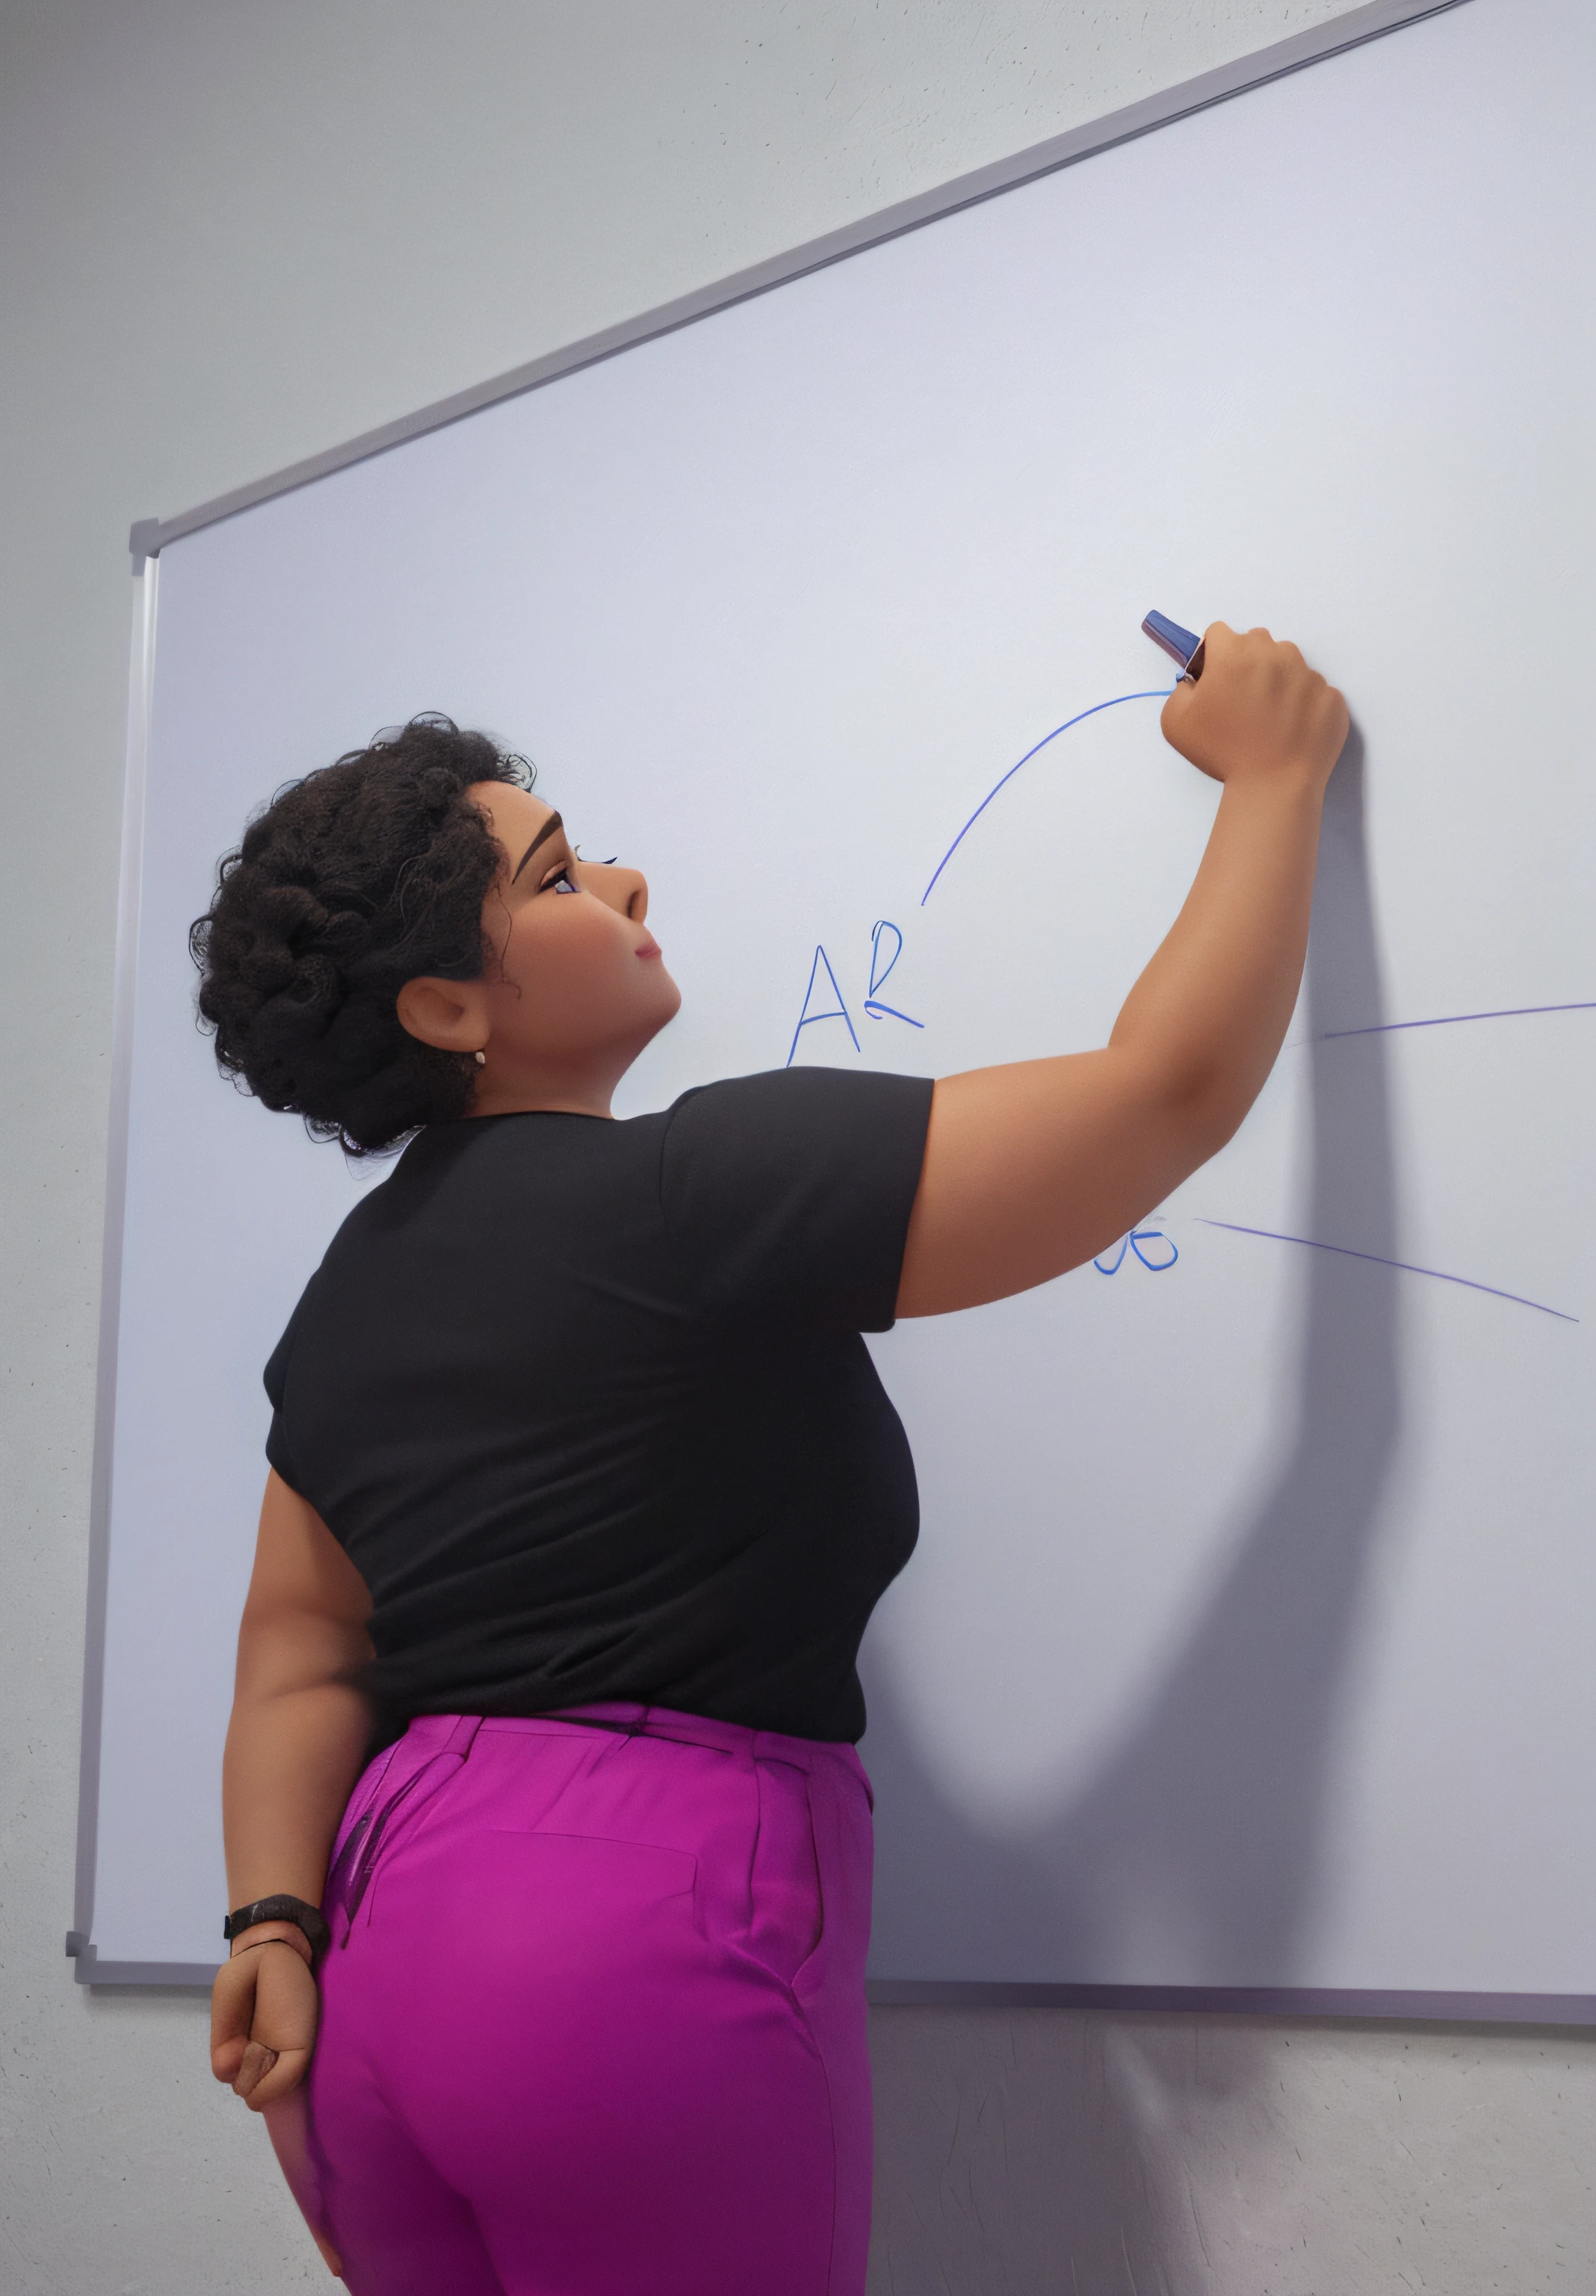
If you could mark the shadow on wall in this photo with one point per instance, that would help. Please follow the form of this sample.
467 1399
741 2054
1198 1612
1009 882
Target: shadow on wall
1201 1836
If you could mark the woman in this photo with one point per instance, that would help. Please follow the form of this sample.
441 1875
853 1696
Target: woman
582 1490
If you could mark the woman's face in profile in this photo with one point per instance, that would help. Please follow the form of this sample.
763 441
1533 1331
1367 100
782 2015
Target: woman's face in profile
580 976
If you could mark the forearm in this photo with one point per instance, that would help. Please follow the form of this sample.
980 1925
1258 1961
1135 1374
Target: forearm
1206 1018
291 1759
295 1746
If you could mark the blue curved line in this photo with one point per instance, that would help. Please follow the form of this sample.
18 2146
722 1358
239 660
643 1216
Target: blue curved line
1153 693
1405 1266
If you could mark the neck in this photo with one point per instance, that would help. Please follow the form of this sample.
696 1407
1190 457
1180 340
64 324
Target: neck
585 1091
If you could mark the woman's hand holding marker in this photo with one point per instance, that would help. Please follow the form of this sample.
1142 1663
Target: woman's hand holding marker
1255 709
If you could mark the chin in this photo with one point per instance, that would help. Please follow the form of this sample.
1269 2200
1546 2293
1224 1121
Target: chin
660 1011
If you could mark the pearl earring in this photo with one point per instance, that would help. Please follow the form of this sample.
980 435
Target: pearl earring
481 1059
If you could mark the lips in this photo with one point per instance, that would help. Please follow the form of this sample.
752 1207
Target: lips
649 947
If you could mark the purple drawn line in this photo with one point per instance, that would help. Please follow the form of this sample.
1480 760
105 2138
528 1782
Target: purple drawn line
1450 1020
1153 693
1406 1266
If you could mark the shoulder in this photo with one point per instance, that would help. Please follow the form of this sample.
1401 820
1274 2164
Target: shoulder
794 1134
792 1190
817 1104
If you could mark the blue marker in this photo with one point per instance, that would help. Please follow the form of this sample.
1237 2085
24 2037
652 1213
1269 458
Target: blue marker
1183 646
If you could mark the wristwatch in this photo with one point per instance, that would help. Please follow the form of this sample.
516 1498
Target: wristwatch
306 1917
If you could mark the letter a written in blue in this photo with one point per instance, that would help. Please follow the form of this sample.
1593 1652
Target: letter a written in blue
837 1010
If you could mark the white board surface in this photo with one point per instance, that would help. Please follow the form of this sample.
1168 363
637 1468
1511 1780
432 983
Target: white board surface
1246 1641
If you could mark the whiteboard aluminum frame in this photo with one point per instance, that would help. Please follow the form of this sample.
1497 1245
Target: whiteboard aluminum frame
140 696
149 537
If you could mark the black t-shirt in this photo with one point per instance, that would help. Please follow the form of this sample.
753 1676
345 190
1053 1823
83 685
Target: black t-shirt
586 1404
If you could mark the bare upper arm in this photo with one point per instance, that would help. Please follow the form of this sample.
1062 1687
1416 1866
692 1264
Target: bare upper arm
1032 1168
305 1616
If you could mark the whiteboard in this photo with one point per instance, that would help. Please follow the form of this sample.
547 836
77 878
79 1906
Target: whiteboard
1246 1647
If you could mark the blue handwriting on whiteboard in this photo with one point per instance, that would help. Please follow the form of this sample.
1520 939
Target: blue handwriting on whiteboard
1403 1266
838 1012
1153 693
879 973
1451 1019
1133 1242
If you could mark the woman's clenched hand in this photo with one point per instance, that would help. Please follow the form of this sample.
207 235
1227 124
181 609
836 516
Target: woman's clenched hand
262 2018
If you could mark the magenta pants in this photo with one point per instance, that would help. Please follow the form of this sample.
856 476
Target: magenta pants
593 2019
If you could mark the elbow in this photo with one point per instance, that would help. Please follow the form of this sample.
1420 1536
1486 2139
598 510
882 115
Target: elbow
285 1655
1196 1112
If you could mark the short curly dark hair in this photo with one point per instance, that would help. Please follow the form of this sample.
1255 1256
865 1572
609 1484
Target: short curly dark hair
349 884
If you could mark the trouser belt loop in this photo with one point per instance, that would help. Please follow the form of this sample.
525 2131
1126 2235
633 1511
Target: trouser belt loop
462 1736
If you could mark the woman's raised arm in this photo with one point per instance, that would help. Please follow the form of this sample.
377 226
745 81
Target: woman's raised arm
295 1745
1033 1167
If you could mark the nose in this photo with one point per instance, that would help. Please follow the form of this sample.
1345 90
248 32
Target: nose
625 890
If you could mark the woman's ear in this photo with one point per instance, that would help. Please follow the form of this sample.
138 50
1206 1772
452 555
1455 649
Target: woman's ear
450 1014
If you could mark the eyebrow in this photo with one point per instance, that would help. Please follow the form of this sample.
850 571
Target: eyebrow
548 829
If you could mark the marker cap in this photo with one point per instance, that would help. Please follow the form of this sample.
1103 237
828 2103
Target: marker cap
1181 645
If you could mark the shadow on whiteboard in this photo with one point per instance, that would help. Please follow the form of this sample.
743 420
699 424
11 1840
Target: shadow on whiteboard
1193 1856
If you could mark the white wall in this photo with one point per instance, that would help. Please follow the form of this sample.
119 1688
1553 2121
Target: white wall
234 233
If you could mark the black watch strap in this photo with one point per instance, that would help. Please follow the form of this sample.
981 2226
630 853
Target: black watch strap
308 1917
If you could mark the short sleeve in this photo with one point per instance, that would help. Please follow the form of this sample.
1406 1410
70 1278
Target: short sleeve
793 1190
275 1380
